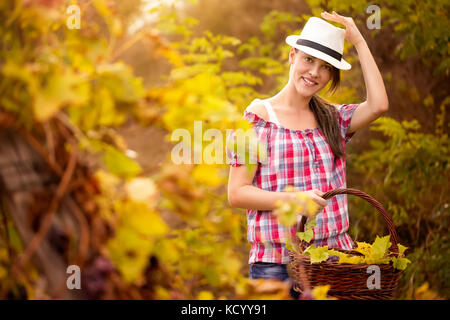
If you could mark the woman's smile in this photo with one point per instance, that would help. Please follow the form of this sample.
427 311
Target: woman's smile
309 82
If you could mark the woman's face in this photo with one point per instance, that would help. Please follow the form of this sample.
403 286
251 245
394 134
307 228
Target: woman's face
309 74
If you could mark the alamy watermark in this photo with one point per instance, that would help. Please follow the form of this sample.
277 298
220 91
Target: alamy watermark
74 280
374 20
374 281
74 19
243 144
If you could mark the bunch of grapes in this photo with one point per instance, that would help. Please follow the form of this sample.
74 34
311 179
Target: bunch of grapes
94 278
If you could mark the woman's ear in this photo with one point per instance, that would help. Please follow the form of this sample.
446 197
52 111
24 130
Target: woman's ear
292 55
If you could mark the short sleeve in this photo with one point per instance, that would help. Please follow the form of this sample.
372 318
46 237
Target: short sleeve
345 114
261 128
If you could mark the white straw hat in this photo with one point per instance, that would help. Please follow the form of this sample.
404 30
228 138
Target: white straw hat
322 40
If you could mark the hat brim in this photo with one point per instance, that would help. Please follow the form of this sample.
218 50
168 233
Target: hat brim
343 65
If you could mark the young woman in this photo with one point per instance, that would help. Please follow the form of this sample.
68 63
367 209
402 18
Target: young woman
305 138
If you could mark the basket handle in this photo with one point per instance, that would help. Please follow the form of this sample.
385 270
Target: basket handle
373 202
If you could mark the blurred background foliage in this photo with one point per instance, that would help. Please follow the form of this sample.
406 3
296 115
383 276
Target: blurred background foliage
138 70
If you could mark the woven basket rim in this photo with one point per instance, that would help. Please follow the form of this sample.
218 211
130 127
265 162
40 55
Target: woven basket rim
341 265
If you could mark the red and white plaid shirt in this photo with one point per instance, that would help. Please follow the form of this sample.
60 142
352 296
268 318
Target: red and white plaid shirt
302 159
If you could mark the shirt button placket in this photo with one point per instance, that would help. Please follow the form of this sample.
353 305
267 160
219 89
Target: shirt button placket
311 144
307 135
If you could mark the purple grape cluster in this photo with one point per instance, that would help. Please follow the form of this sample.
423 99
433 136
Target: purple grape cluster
95 276
333 258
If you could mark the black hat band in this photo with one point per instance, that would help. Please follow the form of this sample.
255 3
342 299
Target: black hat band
321 48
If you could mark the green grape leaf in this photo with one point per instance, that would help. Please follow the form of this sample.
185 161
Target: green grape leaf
400 263
311 224
401 249
380 247
318 254
290 245
305 236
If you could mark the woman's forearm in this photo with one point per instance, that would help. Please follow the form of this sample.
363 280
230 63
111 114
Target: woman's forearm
377 98
251 197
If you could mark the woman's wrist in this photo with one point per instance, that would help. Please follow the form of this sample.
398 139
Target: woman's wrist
289 195
360 43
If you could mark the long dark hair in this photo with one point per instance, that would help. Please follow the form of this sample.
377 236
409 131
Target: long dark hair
327 117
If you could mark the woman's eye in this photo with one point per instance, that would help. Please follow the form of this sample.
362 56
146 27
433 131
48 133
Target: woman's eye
308 59
327 67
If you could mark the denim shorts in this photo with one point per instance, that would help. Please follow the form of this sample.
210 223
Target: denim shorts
266 270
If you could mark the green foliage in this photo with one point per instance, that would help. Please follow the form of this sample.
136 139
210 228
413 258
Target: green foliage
430 266
262 55
414 163
203 255
50 73
133 242
415 185
277 22
40 81
118 163
308 234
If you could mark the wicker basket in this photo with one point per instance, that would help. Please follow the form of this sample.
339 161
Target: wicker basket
347 281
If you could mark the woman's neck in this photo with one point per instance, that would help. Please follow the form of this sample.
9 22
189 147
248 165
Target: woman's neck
289 98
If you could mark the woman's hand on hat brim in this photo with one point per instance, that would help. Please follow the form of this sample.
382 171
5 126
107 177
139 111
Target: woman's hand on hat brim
352 33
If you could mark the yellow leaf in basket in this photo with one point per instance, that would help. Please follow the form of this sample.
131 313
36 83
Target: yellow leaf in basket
401 250
337 253
363 247
379 248
290 245
318 254
351 259
370 260
400 263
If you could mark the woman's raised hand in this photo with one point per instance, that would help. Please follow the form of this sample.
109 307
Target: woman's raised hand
352 33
